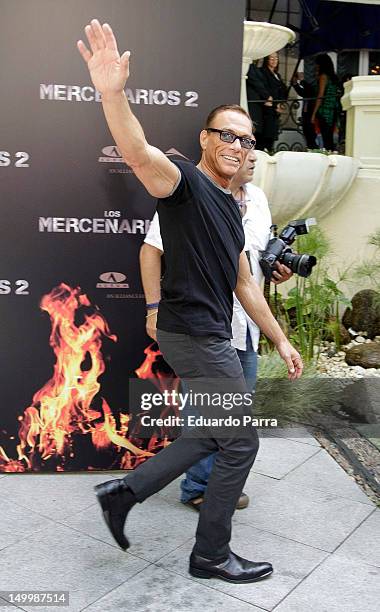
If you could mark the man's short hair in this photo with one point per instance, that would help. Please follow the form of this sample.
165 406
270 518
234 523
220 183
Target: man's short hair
226 107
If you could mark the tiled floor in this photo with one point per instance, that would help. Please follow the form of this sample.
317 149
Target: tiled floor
307 516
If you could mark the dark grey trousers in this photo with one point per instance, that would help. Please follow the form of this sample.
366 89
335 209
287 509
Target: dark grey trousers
202 361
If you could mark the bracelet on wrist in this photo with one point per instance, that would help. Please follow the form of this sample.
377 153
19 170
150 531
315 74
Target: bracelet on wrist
154 312
152 306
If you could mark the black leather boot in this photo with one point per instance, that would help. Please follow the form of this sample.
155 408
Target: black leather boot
233 569
116 500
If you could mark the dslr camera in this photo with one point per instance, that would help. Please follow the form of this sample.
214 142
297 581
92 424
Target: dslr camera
278 250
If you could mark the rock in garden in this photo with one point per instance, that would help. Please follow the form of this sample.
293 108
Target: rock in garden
365 313
343 333
364 355
361 399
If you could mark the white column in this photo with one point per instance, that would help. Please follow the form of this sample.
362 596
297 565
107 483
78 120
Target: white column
246 62
361 101
363 62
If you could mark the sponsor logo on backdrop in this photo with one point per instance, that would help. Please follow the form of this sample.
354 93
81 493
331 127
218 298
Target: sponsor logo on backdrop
116 281
87 93
19 159
112 280
111 223
18 287
111 155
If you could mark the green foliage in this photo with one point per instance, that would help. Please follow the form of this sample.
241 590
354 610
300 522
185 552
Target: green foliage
369 269
287 401
374 239
273 366
313 304
314 243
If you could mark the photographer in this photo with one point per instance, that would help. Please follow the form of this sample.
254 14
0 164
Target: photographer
307 92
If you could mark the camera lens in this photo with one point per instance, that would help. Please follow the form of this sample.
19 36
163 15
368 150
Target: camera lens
299 264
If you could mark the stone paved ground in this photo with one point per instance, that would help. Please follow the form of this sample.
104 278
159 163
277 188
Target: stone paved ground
307 516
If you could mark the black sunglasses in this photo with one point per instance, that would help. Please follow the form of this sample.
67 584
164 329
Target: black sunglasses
246 143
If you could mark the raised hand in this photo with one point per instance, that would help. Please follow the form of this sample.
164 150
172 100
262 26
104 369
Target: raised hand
109 71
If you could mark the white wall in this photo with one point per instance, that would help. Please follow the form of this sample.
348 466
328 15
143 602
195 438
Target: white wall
351 222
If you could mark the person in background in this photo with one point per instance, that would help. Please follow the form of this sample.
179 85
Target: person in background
307 92
258 97
278 91
257 222
326 107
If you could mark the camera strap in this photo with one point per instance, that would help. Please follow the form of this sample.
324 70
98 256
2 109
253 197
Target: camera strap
248 254
267 283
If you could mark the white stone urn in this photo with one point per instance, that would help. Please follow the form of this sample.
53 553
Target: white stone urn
261 39
300 185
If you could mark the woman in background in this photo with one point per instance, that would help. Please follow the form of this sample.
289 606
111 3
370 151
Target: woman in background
272 109
326 107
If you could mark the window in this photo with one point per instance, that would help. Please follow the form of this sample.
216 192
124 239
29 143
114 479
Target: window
374 62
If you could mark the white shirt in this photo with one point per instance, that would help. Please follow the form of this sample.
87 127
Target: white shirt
256 224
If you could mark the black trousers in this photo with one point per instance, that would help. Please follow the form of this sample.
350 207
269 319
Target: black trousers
327 132
206 364
308 131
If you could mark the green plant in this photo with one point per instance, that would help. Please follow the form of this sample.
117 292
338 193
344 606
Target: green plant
369 269
290 401
313 304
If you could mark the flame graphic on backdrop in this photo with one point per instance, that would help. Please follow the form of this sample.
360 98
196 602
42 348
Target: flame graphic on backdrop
63 408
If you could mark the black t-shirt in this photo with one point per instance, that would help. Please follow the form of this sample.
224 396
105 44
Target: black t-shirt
203 237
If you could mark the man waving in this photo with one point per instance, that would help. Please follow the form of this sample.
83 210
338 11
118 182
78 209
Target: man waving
203 241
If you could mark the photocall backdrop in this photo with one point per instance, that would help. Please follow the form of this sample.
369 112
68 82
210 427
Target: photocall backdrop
73 216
